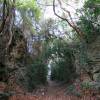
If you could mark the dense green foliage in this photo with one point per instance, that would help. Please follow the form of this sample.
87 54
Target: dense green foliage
28 45
89 21
37 74
62 66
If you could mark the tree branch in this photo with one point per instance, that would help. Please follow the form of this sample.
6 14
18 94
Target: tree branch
78 31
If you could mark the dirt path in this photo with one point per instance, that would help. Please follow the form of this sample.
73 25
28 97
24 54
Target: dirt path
57 91
52 88
55 88
53 91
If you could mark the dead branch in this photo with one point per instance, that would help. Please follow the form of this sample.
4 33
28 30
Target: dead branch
78 31
66 12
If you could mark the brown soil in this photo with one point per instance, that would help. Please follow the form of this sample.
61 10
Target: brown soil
53 91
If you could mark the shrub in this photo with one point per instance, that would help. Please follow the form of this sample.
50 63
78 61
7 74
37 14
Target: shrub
37 74
63 70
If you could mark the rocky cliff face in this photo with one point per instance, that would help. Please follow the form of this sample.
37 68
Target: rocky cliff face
13 62
94 58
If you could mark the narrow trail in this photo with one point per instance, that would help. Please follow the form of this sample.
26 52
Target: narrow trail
55 88
57 91
52 91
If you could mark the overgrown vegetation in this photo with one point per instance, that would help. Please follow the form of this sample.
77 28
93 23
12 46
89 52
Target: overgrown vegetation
89 20
37 74
62 61
29 44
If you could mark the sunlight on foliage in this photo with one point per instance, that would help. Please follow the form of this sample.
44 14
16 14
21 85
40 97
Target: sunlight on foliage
29 5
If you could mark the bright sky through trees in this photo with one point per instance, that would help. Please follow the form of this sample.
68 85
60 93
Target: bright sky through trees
72 6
